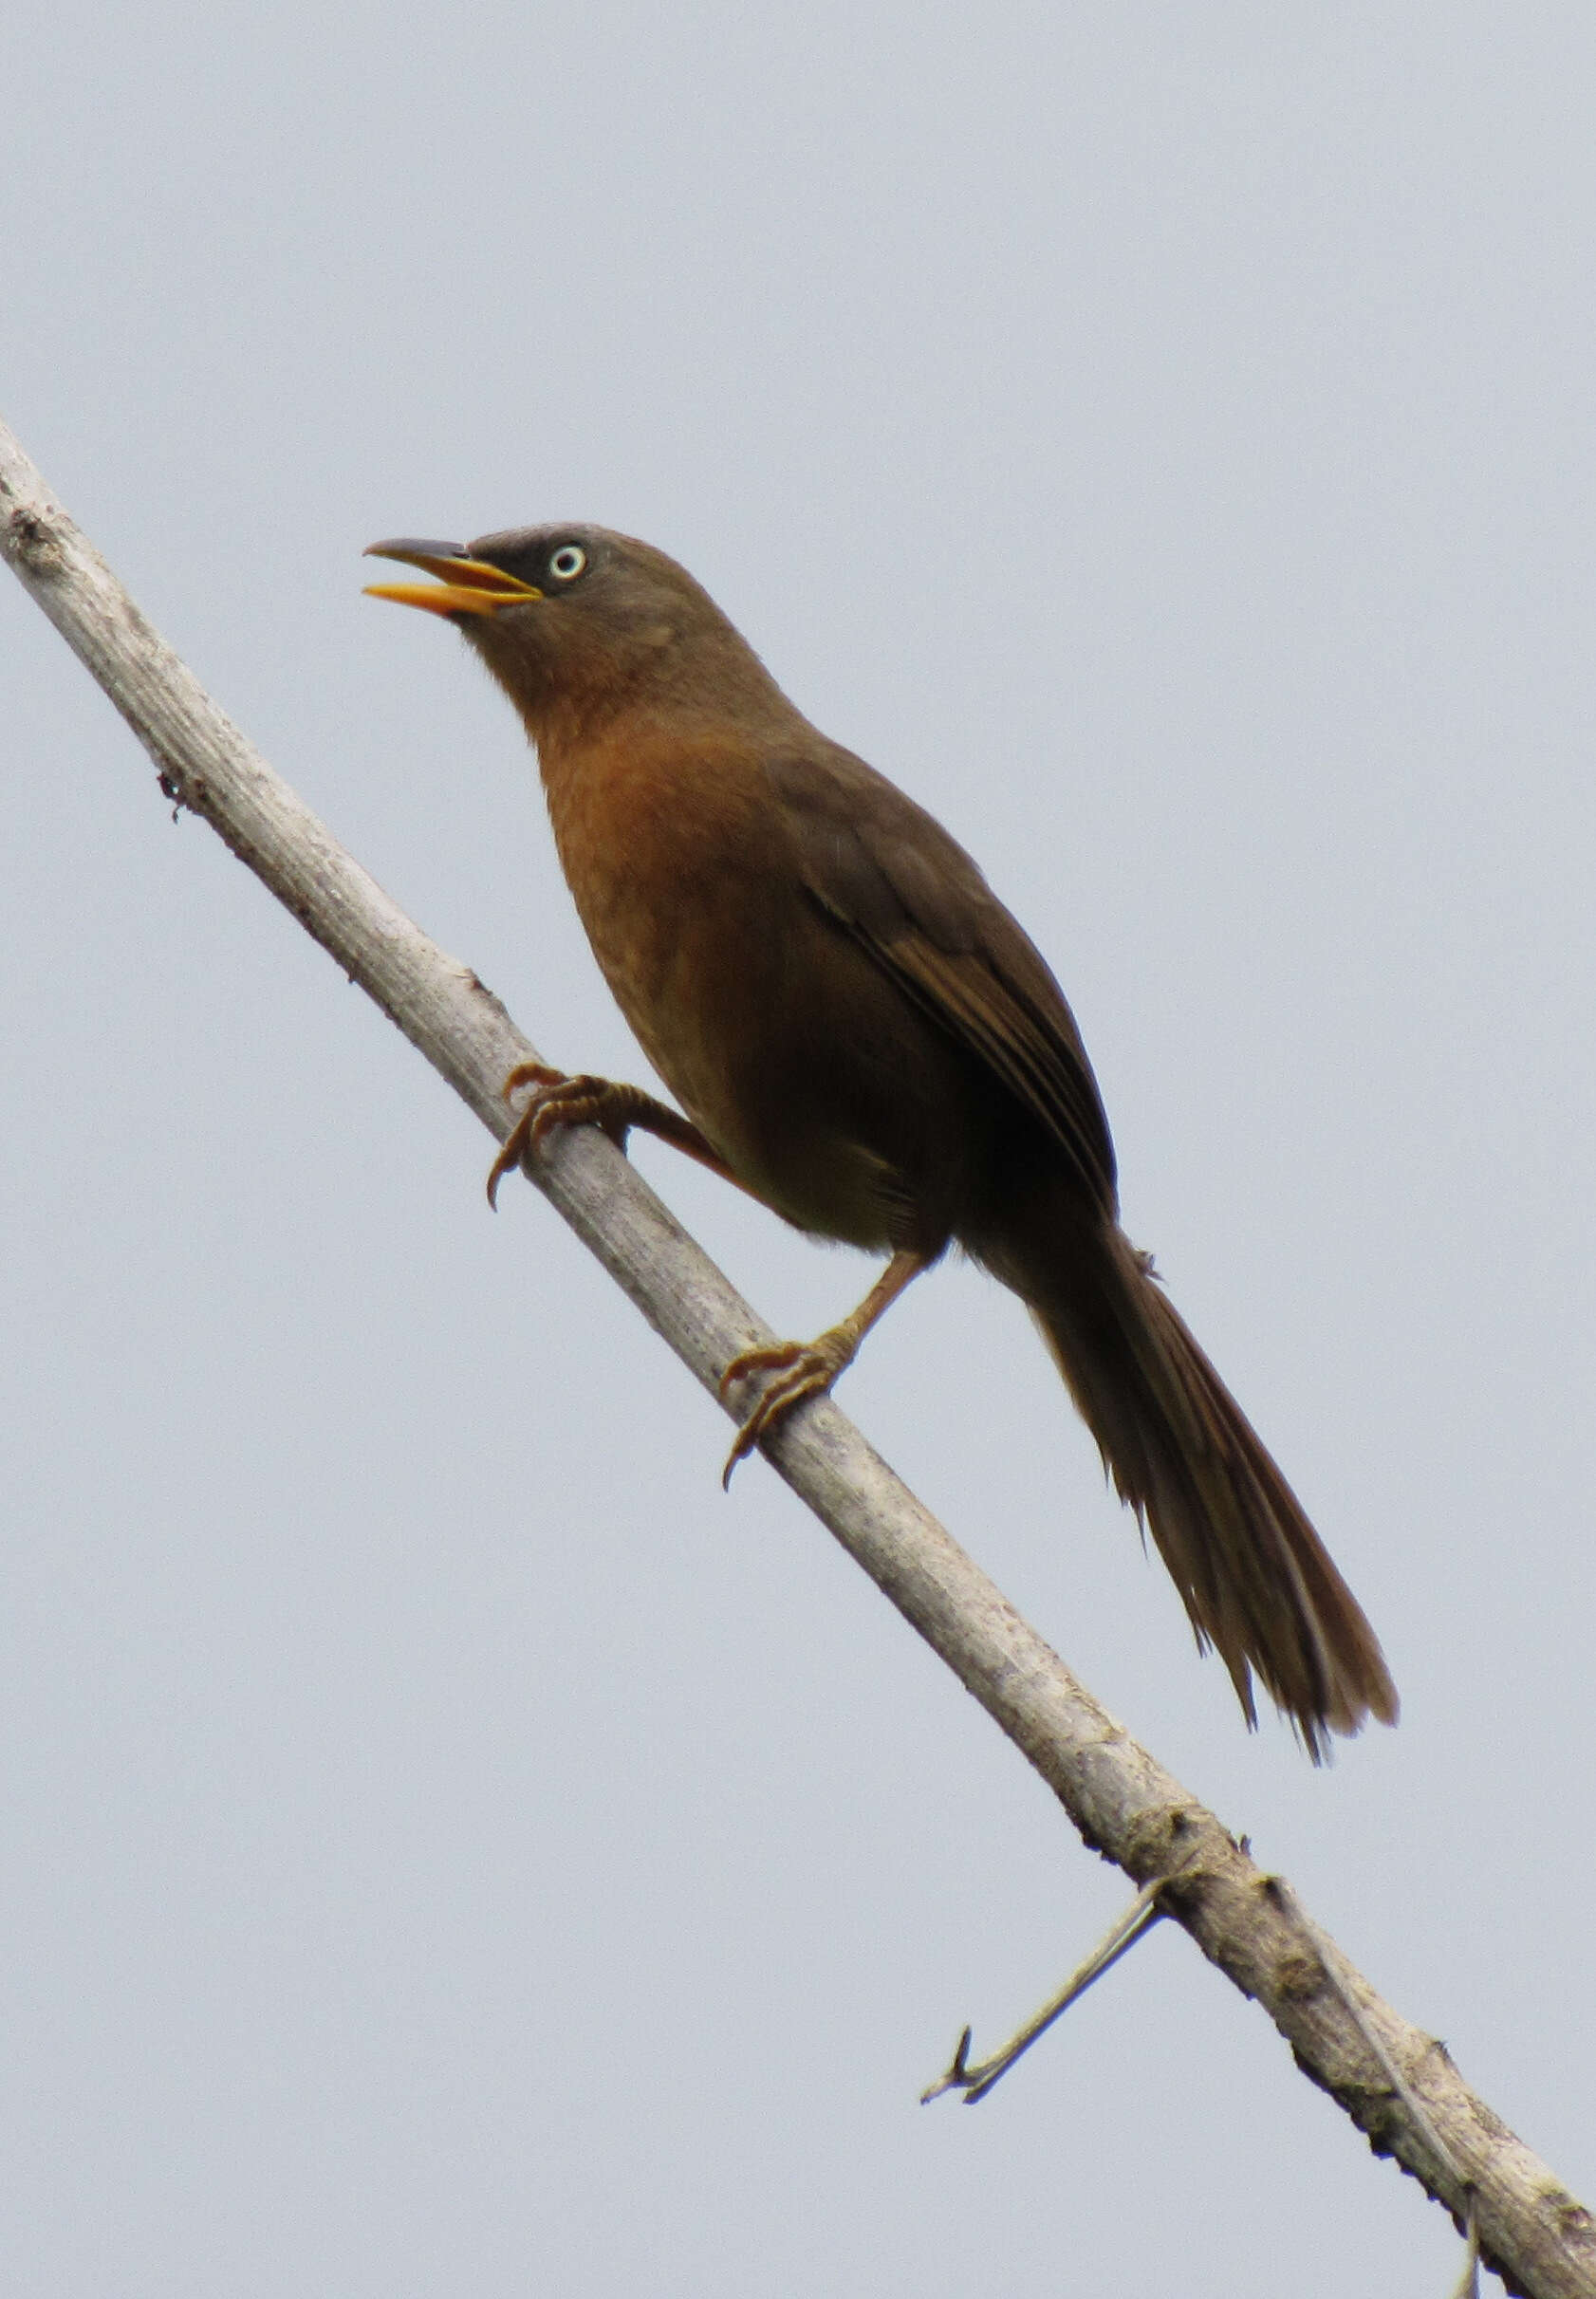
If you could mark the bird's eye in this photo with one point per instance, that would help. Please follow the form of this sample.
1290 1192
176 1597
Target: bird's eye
568 562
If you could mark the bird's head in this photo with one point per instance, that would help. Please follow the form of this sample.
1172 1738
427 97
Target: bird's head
577 623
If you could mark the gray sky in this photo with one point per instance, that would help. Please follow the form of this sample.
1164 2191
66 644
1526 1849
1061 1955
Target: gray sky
447 1846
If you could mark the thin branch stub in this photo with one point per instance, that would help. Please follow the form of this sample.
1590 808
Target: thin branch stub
1122 1935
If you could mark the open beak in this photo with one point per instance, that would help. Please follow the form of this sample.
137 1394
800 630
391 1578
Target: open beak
465 586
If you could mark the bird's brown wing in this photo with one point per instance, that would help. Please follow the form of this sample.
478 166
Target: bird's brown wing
890 874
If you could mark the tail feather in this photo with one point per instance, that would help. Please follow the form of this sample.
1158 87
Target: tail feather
1256 1581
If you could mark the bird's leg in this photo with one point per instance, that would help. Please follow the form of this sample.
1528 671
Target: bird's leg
561 1100
804 1369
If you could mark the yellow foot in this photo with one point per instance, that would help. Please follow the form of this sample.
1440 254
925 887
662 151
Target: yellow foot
558 1101
799 1369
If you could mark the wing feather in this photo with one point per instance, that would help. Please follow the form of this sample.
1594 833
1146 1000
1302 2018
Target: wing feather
889 874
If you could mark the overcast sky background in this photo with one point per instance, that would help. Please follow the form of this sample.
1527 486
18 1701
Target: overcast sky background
447 1846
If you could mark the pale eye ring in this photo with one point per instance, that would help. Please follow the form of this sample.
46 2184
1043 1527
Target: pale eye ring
568 562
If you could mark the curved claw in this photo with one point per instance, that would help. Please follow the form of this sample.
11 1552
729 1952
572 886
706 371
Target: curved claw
802 1369
558 1100
805 1369
522 1134
511 1149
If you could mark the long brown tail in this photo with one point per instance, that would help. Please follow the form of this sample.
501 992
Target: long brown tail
1254 1574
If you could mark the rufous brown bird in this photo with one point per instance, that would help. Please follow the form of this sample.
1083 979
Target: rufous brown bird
863 1038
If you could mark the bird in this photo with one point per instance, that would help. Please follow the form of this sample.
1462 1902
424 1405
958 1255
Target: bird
862 1038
